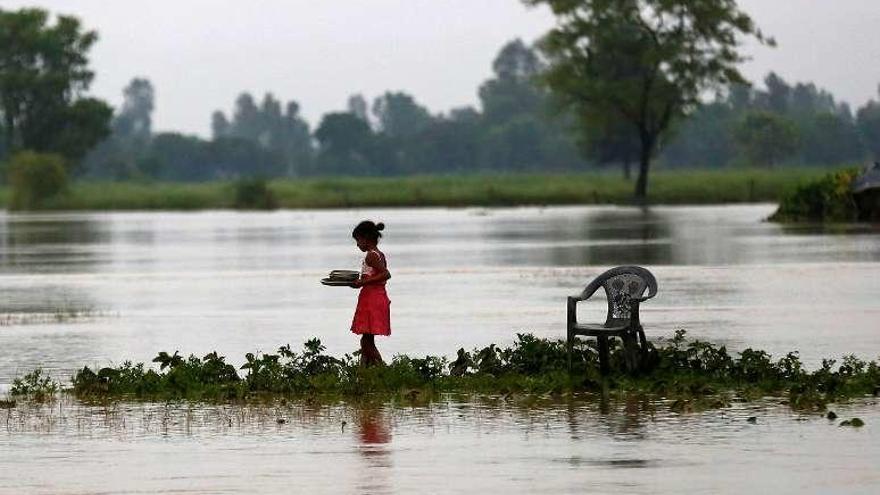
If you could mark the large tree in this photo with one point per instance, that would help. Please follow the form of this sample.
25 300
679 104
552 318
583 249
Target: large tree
345 144
643 62
44 72
134 122
519 128
399 115
285 132
766 138
868 122
512 92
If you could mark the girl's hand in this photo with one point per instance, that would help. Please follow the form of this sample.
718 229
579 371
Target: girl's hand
356 284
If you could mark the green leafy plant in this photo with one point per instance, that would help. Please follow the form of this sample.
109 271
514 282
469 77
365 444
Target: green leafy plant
697 374
826 200
35 385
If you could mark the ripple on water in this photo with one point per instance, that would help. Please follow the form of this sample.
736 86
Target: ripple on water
453 443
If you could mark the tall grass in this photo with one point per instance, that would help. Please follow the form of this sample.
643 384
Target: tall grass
665 187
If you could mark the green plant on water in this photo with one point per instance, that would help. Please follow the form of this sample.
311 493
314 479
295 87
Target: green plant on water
827 199
698 375
35 385
254 194
855 423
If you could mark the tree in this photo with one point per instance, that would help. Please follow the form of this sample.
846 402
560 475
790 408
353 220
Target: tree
513 91
706 137
519 129
134 122
246 118
285 134
610 142
831 138
806 99
43 73
345 142
644 62
398 115
868 122
450 144
219 125
777 98
766 138
294 141
119 156
35 178
357 105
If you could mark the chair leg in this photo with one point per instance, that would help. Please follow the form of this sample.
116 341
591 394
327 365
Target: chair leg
570 347
630 352
603 355
643 351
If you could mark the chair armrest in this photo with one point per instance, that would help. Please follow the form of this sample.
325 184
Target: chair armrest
587 293
572 310
641 299
652 291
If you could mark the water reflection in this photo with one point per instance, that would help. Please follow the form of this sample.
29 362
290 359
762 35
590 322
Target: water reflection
374 439
517 444
50 243
622 236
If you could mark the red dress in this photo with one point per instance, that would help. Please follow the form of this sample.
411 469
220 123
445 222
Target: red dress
373 312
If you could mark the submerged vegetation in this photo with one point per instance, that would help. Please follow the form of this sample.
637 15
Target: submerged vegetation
825 199
669 187
34 385
694 374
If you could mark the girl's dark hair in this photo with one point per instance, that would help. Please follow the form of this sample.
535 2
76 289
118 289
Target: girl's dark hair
368 230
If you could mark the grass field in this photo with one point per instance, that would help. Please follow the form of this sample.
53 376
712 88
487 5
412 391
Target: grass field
672 187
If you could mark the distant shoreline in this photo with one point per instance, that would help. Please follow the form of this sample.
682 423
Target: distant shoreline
665 187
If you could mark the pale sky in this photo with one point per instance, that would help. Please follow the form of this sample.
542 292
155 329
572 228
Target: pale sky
200 54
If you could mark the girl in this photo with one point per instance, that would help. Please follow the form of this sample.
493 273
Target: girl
372 316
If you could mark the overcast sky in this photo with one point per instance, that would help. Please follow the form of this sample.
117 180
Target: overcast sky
200 54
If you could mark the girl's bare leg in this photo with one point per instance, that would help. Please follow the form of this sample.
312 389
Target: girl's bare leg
365 351
369 353
377 357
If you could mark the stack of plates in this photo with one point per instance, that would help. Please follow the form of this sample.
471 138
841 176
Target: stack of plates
341 278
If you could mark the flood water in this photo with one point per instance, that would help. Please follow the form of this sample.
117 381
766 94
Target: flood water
94 288
458 445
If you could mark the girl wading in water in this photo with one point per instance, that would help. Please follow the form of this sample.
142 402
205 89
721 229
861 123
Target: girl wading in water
373 313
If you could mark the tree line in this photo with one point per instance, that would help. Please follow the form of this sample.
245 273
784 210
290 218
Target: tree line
613 84
515 129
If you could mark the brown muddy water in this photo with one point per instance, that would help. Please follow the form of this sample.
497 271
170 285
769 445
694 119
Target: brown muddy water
95 288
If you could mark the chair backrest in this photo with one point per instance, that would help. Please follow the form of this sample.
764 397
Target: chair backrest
622 284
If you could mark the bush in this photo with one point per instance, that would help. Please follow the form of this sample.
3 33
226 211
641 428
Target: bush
254 194
36 179
828 199
34 385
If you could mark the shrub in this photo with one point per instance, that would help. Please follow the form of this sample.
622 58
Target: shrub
254 194
680 368
827 199
35 386
36 179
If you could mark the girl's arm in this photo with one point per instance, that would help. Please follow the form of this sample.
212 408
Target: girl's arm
380 271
